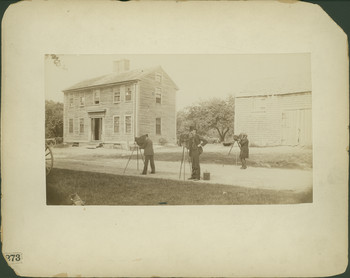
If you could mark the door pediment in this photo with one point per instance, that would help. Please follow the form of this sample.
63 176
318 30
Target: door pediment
97 113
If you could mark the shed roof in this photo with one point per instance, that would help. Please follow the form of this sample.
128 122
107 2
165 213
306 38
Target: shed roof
271 93
112 78
277 86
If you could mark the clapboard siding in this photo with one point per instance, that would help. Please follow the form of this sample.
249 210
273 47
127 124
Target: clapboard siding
261 117
142 108
149 110
106 103
120 109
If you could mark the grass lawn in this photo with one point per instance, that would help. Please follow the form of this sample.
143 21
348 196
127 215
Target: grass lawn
107 189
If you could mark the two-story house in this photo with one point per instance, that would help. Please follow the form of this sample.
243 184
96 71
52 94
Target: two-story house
115 108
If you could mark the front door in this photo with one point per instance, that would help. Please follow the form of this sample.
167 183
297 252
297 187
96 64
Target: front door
96 129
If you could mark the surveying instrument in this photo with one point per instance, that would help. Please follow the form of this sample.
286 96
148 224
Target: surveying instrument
138 150
185 157
236 139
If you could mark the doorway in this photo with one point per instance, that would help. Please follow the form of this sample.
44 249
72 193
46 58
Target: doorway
296 127
96 129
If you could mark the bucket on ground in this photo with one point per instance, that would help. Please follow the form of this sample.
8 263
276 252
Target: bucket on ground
206 176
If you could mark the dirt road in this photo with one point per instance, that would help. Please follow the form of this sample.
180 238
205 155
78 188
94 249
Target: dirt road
254 177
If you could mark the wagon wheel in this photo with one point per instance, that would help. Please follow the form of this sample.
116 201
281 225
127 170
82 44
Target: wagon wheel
48 159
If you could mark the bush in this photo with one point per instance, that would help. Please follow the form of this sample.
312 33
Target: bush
53 119
162 141
59 140
212 140
227 144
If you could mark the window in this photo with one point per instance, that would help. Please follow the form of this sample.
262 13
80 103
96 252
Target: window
158 95
127 124
158 126
128 93
82 99
70 125
96 96
116 123
81 125
71 100
159 77
116 95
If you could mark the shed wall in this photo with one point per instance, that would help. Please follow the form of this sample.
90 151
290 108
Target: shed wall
275 120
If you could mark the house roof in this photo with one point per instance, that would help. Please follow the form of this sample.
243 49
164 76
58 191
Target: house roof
114 78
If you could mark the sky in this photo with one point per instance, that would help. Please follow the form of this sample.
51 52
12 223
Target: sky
198 77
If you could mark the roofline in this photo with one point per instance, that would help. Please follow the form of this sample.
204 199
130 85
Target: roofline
109 84
101 85
172 81
278 94
125 81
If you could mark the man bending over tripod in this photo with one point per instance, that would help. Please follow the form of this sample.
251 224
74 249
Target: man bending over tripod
149 155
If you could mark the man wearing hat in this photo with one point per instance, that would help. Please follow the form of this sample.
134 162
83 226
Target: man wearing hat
243 144
149 155
195 144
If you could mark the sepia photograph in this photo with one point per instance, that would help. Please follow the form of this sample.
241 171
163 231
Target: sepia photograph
178 129
181 138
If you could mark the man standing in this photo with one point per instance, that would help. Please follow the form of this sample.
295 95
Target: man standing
243 144
149 155
195 144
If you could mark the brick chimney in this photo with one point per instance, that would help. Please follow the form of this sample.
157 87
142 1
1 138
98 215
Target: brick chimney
121 66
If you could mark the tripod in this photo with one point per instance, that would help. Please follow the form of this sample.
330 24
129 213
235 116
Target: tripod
185 156
137 156
232 147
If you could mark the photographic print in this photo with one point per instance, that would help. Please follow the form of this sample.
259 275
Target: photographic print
182 139
178 129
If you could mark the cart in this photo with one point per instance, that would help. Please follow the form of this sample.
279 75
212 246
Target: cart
48 159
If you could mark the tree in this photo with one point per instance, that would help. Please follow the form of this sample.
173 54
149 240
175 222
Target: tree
214 114
183 122
56 59
53 119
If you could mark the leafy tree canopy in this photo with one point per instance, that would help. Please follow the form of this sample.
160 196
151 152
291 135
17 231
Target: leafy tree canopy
53 119
214 114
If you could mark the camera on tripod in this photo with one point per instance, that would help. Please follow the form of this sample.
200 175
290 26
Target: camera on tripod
183 139
138 144
140 141
236 137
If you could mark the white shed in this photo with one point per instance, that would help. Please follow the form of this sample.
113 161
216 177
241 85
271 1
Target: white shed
272 119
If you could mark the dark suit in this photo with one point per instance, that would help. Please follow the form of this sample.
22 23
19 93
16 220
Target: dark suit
244 151
194 152
149 155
